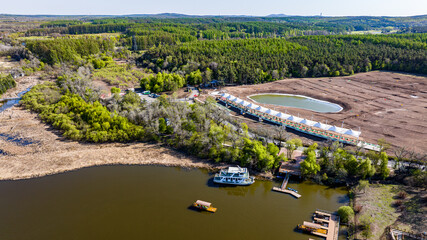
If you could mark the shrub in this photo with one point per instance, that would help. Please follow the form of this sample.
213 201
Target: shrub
402 195
115 90
358 208
6 82
346 213
397 203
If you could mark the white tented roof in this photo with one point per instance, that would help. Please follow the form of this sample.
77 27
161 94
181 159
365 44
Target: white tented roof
283 115
229 97
341 130
295 119
308 122
252 106
261 109
225 95
271 112
332 128
243 103
320 125
352 133
234 99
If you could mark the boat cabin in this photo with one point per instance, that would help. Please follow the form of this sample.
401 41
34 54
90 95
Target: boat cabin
207 206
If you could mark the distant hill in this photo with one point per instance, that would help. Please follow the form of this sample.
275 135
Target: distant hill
279 15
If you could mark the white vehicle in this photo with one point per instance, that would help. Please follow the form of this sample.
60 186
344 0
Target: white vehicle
234 176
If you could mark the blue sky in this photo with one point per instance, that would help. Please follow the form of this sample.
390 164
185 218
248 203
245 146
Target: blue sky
218 7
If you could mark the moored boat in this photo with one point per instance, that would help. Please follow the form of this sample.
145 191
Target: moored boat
234 176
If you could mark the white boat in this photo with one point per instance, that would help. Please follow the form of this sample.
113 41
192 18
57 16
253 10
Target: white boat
234 176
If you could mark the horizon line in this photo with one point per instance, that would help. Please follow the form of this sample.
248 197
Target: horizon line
202 15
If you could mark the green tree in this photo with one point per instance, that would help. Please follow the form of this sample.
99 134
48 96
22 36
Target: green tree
115 90
194 78
384 171
346 213
366 169
363 184
292 145
309 166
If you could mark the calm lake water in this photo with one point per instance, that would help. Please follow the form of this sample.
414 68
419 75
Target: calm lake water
297 102
149 202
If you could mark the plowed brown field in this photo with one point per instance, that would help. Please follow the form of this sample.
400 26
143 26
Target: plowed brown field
385 105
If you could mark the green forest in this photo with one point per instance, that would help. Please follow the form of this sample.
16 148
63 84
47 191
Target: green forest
249 61
166 54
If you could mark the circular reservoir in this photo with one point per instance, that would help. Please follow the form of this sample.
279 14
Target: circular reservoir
297 101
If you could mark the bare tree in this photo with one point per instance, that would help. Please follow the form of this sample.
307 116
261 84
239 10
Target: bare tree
400 153
281 135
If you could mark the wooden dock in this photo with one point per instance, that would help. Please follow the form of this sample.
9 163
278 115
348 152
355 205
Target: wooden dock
322 218
283 187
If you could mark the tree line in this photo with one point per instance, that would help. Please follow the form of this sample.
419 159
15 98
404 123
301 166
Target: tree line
249 61
61 50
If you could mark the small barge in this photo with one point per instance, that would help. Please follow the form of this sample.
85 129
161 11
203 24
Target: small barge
312 228
234 176
206 206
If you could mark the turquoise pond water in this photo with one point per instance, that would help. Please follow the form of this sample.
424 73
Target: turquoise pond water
297 101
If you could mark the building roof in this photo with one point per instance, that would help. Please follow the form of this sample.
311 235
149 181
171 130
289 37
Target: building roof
272 112
307 122
261 109
283 115
236 169
312 225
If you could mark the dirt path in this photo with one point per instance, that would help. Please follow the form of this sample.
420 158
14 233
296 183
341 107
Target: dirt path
383 104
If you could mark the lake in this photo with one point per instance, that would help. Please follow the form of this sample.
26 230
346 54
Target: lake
151 202
297 101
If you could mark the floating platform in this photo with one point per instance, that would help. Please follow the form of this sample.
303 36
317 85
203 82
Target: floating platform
318 228
297 195
283 187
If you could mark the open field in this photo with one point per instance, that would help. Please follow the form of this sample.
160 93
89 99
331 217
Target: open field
383 104
378 204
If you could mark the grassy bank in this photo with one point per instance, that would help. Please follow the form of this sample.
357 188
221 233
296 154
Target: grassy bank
379 206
